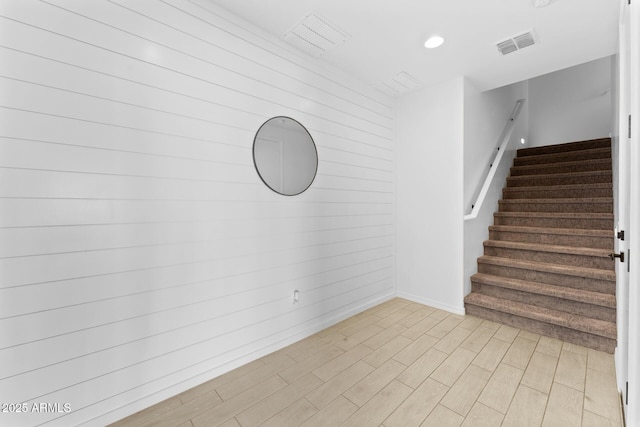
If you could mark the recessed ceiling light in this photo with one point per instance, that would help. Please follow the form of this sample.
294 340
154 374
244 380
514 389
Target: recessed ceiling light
433 42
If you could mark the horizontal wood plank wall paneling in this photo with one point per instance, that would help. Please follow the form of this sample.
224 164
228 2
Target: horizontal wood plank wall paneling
140 253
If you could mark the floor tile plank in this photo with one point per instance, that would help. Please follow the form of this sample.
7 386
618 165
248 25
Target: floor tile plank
370 385
501 388
415 349
452 340
519 353
292 416
278 401
382 338
342 362
601 395
449 370
464 393
540 372
327 392
443 417
417 406
230 408
308 365
483 416
376 410
564 408
387 351
590 419
571 370
419 370
478 339
527 408
550 346
491 355
334 414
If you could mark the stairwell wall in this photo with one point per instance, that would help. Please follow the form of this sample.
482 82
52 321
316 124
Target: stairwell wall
429 195
485 116
572 104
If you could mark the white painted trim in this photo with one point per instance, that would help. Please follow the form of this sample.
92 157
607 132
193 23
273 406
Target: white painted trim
622 159
633 409
432 303
505 138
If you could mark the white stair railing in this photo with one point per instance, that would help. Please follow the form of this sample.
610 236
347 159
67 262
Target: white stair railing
503 142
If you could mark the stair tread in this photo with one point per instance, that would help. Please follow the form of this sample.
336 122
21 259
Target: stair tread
603 150
604 189
560 200
562 164
548 230
598 185
540 247
598 215
584 272
580 295
566 147
547 315
560 174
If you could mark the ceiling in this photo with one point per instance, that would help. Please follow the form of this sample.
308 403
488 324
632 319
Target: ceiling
387 37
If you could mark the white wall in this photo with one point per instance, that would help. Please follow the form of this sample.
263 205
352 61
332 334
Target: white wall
140 254
573 104
429 195
485 116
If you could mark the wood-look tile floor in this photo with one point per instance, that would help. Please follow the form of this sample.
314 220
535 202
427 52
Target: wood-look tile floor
406 364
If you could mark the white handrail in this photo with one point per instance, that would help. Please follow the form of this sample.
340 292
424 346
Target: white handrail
504 141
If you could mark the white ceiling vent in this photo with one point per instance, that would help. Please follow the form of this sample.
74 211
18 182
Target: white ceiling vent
515 43
314 35
507 46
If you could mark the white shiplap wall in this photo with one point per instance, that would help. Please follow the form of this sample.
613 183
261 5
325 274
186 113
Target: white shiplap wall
140 254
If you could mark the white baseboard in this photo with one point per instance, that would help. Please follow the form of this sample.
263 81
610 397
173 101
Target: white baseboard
432 303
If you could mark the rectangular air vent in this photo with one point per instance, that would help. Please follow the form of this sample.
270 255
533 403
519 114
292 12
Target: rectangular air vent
314 35
523 40
507 46
515 43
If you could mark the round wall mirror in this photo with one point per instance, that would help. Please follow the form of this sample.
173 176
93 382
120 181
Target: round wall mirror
285 156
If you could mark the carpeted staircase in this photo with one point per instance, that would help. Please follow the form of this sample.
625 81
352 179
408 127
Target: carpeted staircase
546 266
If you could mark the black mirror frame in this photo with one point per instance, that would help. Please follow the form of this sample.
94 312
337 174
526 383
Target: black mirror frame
255 165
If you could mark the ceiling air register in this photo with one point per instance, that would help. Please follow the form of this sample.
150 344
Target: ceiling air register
516 43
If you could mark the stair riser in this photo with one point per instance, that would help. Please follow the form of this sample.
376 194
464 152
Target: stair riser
569 335
598 154
559 179
566 148
564 293
550 278
568 206
554 239
568 306
578 223
551 257
515 193
542 169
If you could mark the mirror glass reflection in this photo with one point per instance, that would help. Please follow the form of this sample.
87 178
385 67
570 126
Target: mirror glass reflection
285 156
